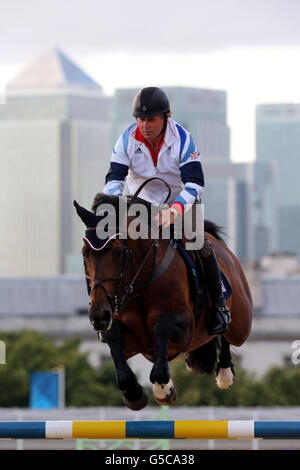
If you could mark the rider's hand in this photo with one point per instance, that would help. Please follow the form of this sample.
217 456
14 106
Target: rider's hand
166 217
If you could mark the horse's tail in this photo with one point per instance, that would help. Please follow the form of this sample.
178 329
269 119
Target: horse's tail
213 229
203 359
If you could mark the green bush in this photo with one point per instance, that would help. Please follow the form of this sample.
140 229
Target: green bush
29 351
280 386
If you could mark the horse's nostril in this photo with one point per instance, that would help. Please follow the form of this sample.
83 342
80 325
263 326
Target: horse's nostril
102 321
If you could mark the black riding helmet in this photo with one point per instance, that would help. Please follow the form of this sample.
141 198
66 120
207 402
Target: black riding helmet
149 102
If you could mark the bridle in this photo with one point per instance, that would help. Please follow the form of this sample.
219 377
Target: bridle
99 283
116 301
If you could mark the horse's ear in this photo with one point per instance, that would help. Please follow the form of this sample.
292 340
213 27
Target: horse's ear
88 218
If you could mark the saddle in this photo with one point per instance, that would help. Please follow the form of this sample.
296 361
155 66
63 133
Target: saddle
195 269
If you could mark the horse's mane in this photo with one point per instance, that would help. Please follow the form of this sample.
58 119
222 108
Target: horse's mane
101 198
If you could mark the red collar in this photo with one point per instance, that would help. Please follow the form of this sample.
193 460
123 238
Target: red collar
139 136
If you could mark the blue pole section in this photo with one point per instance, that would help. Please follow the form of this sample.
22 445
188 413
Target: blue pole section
150 429
277 429
25 429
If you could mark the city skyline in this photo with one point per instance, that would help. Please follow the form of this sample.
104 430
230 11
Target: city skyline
60 124
54 73
249 50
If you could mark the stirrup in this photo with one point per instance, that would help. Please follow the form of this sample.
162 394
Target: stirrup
227 312
224 326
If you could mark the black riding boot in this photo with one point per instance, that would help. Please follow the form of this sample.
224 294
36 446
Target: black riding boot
219 318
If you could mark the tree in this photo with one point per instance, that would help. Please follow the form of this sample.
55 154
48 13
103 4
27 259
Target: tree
282 386
28 351
201 389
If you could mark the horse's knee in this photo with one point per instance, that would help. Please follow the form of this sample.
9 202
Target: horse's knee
172 325
164 324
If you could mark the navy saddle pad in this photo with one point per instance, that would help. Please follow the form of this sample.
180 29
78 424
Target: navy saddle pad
226 287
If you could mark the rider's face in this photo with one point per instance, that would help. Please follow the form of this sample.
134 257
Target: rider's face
151 127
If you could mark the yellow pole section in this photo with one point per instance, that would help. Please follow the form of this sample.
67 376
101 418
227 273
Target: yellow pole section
99 429
201 429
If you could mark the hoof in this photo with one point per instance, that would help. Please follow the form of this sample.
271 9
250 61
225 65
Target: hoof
139 404
225 378
164 394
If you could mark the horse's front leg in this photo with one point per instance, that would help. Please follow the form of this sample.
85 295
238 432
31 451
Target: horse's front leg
169 325
134 395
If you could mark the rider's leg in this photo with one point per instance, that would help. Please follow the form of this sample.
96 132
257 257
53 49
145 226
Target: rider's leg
219 318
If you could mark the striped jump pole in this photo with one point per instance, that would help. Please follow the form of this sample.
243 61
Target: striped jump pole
150 429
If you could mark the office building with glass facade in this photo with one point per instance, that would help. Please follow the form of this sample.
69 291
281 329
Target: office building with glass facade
278 146
54 148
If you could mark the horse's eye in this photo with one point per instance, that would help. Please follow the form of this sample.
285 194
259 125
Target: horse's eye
85 253
117 251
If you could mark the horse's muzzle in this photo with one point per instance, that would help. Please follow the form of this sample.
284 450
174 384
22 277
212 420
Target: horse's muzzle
101 319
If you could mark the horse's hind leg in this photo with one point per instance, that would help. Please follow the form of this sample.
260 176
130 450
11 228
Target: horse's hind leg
168 325
225 370
134 395
203 359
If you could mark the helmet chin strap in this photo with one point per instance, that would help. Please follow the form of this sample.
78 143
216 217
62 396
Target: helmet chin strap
165 124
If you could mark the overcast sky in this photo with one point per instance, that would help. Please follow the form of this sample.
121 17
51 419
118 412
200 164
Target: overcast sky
249 48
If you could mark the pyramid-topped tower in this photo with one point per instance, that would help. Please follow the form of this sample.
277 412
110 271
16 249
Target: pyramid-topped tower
53 86
52 70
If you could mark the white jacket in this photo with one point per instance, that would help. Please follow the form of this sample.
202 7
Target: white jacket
178 164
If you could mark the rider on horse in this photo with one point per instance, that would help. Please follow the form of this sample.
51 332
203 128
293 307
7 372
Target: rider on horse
156 145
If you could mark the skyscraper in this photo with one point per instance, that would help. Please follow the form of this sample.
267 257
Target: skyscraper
278 144
54 147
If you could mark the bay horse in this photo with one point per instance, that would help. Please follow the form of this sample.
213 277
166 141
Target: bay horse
142 301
